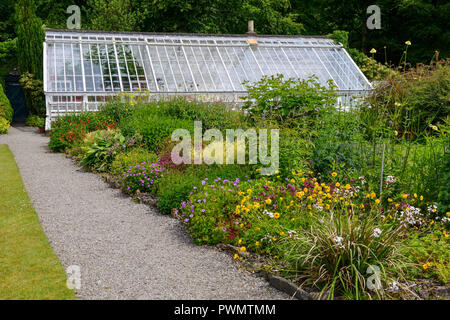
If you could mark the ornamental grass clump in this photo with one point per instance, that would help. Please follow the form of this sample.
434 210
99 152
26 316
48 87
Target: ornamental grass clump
141 177
340 252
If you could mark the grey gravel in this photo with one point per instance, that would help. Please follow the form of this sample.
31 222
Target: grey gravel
125 250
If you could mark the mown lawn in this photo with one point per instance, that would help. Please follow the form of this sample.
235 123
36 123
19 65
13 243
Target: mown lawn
29 269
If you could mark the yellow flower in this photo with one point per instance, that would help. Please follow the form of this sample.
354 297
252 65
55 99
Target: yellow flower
377 201
292 219
408 43
258 229
373 51
347 187
281 233
240 241
338 184
415 195
292 181
249 191
327 206
257 243
274 239
243 249
334 174
305 190
373 195
421 198
389 200
277 172
447 214
236 256
276 215
268 201
404 196
426 265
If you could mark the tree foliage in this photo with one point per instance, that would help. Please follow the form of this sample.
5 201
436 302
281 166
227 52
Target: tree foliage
30 37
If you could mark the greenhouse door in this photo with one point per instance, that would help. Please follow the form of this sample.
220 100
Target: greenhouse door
16 97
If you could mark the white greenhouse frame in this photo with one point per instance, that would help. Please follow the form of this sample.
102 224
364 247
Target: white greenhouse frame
85 69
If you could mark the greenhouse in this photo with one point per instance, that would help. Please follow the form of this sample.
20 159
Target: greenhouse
85 69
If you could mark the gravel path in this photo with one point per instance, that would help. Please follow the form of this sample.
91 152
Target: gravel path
125 250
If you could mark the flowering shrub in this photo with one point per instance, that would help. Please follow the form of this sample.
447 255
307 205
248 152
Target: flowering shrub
142 176
69 130
127 158
209 212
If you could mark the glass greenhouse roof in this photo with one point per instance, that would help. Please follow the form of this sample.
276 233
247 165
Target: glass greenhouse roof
107 62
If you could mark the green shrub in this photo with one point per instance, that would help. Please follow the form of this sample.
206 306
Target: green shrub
4 125
34 94
35 121
128 158
444 192
6 111
284 100
410 102
338 143
155 130
116 110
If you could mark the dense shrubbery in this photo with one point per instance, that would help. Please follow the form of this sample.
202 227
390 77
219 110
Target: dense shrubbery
35 121
6 111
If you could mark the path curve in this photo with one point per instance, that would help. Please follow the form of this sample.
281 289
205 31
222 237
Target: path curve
125 250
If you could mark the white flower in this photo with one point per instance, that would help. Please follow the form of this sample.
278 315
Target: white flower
390 179
363 181
270 214
432 208
376 232
393 287
338 240
318 206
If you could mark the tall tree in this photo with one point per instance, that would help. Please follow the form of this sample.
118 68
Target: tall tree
114 15
30 37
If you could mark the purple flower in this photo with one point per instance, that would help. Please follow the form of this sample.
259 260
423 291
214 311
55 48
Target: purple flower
186 220
203 210
224 229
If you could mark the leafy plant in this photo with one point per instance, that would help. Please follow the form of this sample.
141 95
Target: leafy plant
35 121
275 97
6 111
4 125
106 144
34 94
